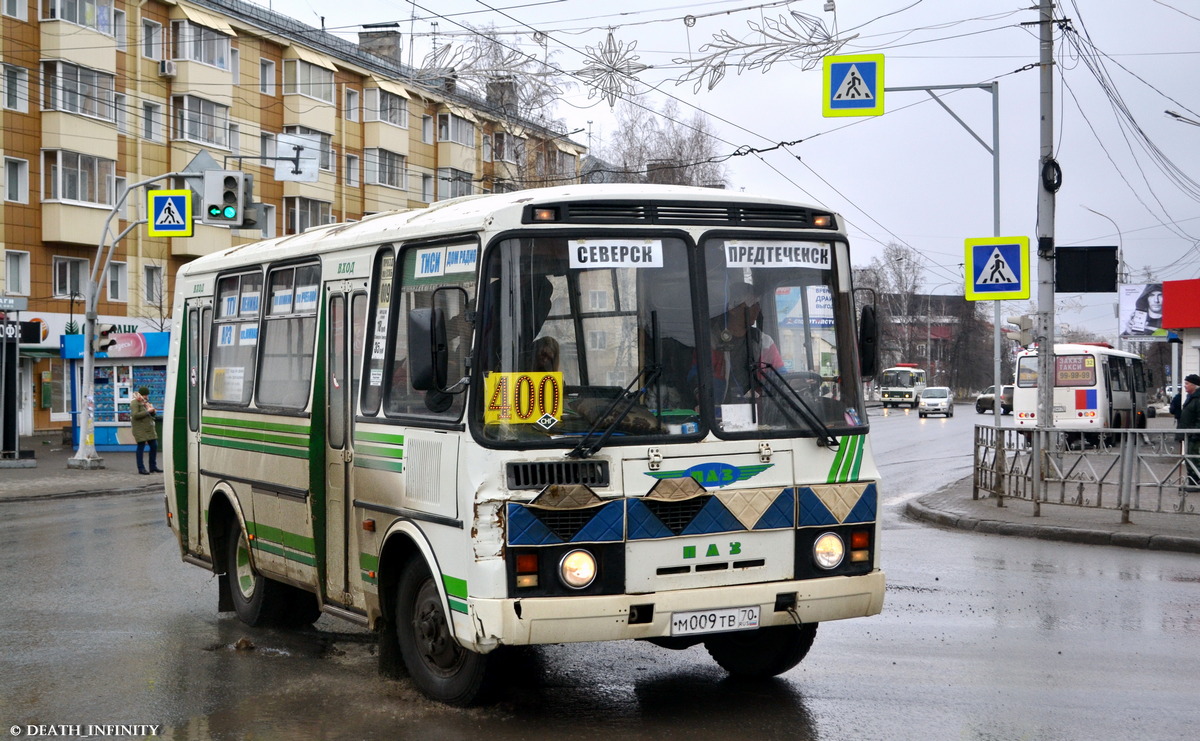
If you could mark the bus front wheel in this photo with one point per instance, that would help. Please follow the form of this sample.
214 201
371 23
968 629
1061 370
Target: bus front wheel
766 652
257 599
439 667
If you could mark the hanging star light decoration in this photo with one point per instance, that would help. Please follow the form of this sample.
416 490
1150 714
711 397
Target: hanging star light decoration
611 69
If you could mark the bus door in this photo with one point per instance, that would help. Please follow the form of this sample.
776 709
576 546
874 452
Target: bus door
345 308
186 447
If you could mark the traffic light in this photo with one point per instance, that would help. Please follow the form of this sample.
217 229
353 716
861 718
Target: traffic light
224 198
104 339
1024 336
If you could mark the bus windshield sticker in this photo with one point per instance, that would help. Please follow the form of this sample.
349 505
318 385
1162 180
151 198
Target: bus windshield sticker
616 253
775 253
306 298
461 259
523 398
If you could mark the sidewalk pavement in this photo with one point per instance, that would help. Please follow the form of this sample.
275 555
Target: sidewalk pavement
50 477
950 507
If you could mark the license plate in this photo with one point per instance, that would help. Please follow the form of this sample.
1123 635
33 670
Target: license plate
714 621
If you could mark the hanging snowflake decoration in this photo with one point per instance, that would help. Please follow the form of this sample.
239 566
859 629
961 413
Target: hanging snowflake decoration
611 69
805 43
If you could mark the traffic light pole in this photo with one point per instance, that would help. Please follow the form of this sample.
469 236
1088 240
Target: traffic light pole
86 457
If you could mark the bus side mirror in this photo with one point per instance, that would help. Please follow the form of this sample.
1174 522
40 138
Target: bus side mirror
868 343
427 350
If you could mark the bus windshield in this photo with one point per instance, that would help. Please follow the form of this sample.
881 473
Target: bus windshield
583 336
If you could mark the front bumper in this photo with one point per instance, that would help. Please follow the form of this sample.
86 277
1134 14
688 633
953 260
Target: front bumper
537 620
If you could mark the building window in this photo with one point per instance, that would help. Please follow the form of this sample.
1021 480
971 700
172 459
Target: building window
235 66
199 44
152 39
382 167
152 122
320 139
79 178
506 147
118 281
69 276
266 221
487 148
566 164
351 104
266 77
302 78
427 129
120 114
351 169
597 339
16 272
200 120
452 128
303 213
152 285
453 183
16 180
93 14
120 185
16 9
74 89
598 300
16 88
427 188
387 107
119 30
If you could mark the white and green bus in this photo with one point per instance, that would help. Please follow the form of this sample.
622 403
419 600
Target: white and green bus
584 413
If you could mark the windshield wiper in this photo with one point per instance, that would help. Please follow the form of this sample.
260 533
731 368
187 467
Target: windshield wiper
626 401
783 391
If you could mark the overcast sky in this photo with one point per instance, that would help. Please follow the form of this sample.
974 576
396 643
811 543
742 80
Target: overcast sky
913 176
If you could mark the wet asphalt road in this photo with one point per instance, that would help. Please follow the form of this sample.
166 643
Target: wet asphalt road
982 637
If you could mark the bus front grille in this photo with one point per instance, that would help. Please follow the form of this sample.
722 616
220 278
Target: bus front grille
538 475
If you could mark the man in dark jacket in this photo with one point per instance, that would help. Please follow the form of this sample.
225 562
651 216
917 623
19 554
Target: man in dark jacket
1189 419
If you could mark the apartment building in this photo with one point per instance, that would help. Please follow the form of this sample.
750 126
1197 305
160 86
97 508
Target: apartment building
101 98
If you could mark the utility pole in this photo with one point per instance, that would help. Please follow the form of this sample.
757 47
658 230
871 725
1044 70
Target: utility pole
1051 179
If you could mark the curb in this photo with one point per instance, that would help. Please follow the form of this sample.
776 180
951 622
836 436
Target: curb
151 489
916 510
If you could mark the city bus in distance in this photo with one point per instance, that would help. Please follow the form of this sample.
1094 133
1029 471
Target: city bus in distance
901 385
1095 387
583 413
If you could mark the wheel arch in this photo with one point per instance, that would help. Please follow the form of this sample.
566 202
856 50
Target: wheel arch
223 510
403 544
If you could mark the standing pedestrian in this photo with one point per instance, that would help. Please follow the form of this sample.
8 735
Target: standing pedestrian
1189 419
144 430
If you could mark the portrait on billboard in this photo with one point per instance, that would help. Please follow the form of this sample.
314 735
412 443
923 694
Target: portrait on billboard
1141 311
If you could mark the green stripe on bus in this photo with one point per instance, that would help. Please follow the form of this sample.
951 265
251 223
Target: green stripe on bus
255 447
455 587
285 553
458 606
255 435
847 461
294 541
376 450
369 579
394 466
378 437
256 424
368 562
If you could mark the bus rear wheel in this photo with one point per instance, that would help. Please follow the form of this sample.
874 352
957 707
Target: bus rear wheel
439 667
256 599
762 653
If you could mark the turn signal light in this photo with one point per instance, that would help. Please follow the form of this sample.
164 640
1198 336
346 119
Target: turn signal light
545 214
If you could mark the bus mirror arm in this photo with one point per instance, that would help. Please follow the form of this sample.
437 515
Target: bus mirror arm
786 393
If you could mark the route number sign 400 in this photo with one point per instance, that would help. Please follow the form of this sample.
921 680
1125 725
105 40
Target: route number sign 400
522 398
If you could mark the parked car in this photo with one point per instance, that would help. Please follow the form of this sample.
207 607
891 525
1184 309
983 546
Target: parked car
936 400
985 402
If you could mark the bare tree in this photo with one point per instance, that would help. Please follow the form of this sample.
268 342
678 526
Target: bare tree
657 145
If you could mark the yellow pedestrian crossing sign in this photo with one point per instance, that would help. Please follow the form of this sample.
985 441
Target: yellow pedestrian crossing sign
853 85
170 213
997 268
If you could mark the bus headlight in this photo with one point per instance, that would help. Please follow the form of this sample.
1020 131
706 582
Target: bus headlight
577 569
829 550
